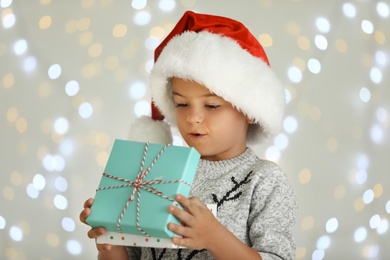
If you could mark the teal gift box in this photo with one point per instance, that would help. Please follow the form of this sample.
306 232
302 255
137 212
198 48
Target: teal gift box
142 179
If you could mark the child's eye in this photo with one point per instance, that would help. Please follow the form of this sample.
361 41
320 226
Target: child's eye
181 104
212 107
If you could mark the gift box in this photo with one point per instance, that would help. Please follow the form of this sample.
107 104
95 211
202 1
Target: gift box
121 239
139 182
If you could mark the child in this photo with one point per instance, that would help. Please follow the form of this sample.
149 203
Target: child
212 80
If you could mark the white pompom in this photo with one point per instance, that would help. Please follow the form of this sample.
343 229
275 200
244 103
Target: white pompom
145 129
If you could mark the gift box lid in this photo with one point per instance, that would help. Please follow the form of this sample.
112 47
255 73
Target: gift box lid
167 171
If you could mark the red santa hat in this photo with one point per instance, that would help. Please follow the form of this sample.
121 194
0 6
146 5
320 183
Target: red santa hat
221 54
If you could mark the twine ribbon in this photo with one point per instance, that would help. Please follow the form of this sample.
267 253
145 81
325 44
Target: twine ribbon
139 184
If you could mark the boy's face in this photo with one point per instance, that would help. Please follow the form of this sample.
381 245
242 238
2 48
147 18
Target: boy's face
207 122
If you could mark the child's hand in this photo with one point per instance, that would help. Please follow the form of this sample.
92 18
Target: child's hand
94 232
106 251
199 226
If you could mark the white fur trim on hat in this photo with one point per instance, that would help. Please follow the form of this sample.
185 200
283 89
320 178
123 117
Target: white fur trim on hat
229 71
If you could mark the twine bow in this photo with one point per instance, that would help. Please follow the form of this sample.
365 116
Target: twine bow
139 184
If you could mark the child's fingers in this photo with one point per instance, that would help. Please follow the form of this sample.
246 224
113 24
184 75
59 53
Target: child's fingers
190 204
103 247
84 214
180 230
88 203
87 211
182 200
181 241
95 232
182 215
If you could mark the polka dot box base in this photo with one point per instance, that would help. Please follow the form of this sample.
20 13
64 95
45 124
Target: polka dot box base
120 239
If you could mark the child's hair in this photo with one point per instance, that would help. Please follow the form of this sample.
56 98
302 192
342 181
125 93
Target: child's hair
222 55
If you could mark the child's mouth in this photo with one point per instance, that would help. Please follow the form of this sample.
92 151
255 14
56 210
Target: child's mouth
196 134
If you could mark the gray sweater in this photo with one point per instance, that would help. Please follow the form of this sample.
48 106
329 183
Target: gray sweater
254 201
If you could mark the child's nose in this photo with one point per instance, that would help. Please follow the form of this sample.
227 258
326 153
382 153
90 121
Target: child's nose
194 115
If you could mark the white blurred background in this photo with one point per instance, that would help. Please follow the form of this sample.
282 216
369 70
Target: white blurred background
74 74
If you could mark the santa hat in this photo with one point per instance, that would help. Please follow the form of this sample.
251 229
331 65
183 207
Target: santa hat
222 55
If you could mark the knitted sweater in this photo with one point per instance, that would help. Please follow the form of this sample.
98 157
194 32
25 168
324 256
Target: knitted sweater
254 201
